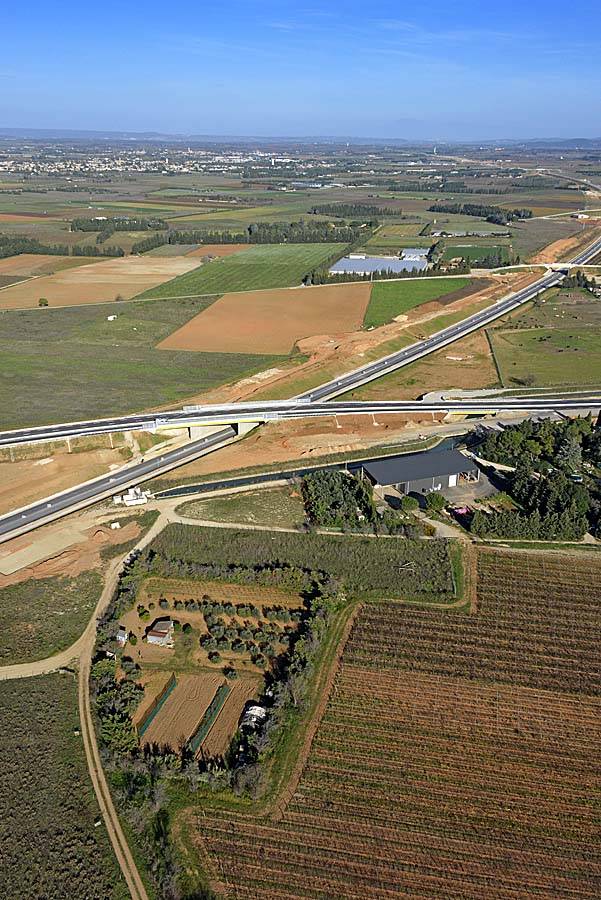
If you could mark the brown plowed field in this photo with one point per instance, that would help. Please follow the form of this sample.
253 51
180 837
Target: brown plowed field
272 321
100 282
26 217
26 263
218 739
219 250
183 709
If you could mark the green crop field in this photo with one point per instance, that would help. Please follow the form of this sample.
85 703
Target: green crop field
260 266
388 235
50 847
475 252
43 616
89 367
393 298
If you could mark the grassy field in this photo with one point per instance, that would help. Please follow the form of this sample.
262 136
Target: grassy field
280 507
474 252
393 298
258 267
68 364
388 236
455 756
43 616
50 847
531 236
558 343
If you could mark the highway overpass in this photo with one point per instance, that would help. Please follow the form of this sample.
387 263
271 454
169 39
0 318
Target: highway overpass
309 404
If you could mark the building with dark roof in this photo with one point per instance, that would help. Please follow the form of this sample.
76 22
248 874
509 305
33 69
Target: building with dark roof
421 473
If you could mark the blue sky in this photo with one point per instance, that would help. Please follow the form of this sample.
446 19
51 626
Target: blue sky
454 70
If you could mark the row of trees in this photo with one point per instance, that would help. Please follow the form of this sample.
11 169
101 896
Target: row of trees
119 223
12 245
362 211
495 214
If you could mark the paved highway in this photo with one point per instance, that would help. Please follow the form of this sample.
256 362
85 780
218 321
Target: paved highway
303 405
290 409
84 494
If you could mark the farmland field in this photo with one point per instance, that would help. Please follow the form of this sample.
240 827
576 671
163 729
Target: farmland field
95 367
255 268
457 756
219 250
474 252
397 567
178 718
554 344
100 282
394 298
50 847
393 237
44 616
272 321
280 507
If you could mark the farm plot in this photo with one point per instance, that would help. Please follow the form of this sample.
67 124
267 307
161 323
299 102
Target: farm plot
100 282
42 616
473 253
217 739
272 321
245 627
178 718
393 237
394 298
258 267
457 756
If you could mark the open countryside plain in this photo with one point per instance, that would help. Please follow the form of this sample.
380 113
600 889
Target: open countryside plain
99 367
456 756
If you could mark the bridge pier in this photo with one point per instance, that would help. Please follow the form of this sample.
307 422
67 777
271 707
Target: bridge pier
197 432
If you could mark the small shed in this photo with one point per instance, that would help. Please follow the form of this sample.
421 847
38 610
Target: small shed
421 473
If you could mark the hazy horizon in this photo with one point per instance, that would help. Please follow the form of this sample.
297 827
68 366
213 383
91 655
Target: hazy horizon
342 71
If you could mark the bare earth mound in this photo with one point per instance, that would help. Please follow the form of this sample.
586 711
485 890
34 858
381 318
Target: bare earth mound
272 321
97 283
219 250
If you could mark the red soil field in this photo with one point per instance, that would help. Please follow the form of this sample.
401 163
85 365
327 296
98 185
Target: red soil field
27 217
272 321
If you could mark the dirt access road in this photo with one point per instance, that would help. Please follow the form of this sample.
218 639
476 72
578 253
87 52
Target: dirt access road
82 652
